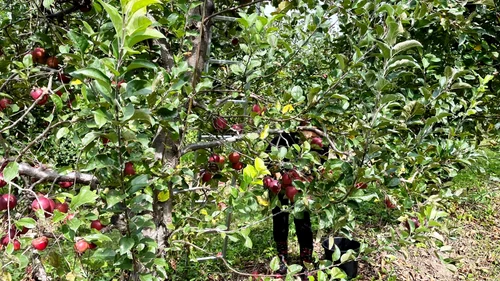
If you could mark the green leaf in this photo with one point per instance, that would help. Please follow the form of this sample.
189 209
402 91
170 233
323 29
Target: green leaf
100 118
128 112
275 263
140 63
47 3
402 63
338 273
85 196
62 132
134 5
260 166
26 222
115 16
385 50
297 93
79 42
28 60
265 133
11 171
97 237
104 255
126 244
91 73
138 183
142 35
403 46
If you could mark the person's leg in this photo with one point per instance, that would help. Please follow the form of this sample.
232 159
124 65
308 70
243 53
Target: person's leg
305 237
280 233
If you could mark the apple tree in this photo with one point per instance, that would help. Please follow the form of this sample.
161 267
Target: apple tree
117 117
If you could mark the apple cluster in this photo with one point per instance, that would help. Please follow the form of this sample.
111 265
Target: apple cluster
284 184
220 123
215 162
48 206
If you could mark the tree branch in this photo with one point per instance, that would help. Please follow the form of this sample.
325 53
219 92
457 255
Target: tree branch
50 175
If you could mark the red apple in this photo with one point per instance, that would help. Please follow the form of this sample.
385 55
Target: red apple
234 157
207 176
63 78
105 140
10 201
59 93
92 246
257 109
221 206
129 169
40 243
4 103
214 158
222 159
42 202
290 192
2 182
37 93
286 179
68 218
235 41
62 207
361 185
97 225
389 204
415 221
238 128
317 141
81 246
267 181
237 166
274 186
220 124
53 62
66 184
17 245
38 55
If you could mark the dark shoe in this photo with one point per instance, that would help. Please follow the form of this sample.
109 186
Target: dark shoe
307 262
282 248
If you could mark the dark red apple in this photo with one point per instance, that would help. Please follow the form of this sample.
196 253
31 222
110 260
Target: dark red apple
37 93
17 245
267 181
62 207
214 158
24 230
52 62
129 169
237 166
105 140
389 204
317 141
220 124
290 192
92 246
97 225
207 176
238 128
415 221
286 179
59 93
234 157
38 55
257 109
4 103
2 182
235 41
3 204
274 186
63 78
81 246
361 185
66 184
40 243
42 202
10 201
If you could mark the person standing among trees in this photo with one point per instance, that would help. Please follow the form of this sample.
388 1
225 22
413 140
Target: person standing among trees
280 217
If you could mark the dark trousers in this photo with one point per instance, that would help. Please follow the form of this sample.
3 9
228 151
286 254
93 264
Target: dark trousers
302 225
